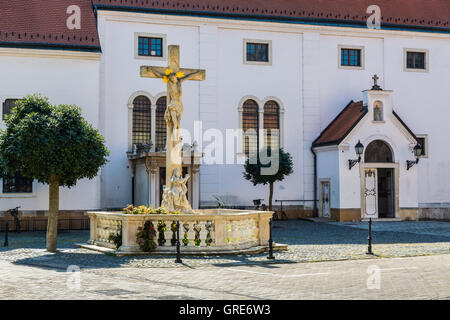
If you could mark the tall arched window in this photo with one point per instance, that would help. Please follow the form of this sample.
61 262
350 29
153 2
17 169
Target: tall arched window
141 120
272 125
161 126
250 119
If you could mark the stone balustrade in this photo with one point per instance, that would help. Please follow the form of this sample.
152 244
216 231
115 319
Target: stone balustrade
212 230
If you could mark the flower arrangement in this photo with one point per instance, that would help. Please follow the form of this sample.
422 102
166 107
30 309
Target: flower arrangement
145 237
130 209
169 72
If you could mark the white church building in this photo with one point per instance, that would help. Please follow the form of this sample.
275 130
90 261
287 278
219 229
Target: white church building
363 146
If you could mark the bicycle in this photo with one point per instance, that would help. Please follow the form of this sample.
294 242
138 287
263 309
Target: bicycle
258 205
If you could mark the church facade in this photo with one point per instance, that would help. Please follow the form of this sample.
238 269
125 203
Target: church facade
302 69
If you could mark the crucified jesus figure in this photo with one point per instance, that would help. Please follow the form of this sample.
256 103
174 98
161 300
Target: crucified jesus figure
175 108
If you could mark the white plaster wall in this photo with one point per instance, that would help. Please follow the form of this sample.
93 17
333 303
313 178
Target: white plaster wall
328 168
63 81
281 80
423 102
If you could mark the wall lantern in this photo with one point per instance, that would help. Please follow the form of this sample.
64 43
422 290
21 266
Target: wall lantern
417 153
359 149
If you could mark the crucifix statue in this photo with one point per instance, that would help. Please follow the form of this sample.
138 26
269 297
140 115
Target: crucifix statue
375 83
174 195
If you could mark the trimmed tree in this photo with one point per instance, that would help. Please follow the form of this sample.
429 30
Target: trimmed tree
255 170
54 145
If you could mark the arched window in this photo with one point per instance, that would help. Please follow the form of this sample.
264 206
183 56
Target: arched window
378 151
377 111
250 126
161 126
141 120
272 125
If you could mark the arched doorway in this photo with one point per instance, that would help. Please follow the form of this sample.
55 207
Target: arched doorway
379 180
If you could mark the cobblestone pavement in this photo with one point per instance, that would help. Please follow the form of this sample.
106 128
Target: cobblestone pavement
308 242
426 277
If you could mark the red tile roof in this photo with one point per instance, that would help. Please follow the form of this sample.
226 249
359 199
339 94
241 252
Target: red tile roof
342 125
401 13
42 23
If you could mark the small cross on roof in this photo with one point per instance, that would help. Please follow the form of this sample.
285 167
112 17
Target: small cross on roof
375 83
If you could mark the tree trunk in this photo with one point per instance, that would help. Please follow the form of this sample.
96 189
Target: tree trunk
52 225
270 196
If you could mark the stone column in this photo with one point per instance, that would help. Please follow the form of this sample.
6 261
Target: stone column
152 170
261 126
92 228
264 228
130 127
220 232
129 231
195 188
153 126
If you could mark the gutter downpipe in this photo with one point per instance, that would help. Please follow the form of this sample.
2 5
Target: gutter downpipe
315 211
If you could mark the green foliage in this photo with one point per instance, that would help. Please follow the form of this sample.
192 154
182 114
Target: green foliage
116 238
161 229
42 141
145 237
253 171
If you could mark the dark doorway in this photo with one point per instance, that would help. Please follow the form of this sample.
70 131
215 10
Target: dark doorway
386 193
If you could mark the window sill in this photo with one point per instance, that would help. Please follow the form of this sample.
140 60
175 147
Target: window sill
416 70
258 63
154 58
17 195
351 67
381 121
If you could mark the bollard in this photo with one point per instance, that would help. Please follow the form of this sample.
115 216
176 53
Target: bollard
271 257
178 260
6 234
369 249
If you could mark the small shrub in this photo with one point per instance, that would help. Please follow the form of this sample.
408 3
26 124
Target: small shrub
145 237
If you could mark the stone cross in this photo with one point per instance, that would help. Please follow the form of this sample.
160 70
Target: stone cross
174 197
375 83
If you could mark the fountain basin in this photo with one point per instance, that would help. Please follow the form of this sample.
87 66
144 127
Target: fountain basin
209 231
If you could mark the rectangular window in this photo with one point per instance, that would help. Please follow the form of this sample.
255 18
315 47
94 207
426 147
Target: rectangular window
150 47
258 52
415 60
17 184
351 57
8 105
